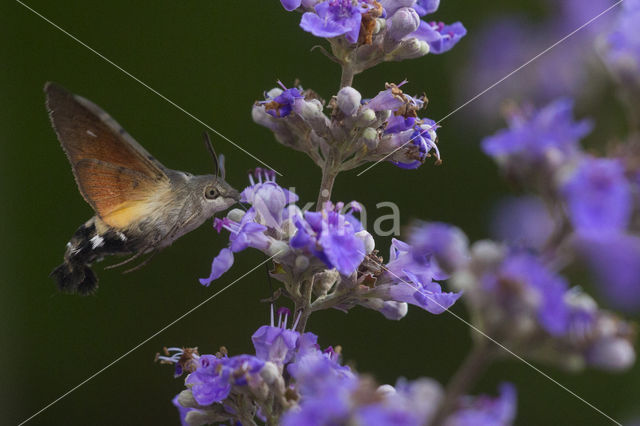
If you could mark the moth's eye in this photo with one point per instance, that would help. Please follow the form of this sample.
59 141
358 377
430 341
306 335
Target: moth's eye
210 193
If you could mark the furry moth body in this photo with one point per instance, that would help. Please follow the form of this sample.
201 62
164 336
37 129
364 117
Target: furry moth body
140 205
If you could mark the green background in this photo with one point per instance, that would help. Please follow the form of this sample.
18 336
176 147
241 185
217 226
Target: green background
215 58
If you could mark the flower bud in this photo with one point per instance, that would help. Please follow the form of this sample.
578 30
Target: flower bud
403 22
279 249
369 243
390 6
349 100
302 263
324 281
409 49
390 309
311 112
370 138
236 215
612 354
366 116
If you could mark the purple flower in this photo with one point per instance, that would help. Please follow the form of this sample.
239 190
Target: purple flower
522 221
537 286
221 264
283 102
623 43
447 244
614 260
290 5
486 411
331 237
210 382
425 7
267 198
598 196
409 276
545 137
334 18
441 37
276 343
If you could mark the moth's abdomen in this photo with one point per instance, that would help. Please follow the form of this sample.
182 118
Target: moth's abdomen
87 245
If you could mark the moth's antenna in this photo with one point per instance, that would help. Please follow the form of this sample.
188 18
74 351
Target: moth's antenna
221 168
214 156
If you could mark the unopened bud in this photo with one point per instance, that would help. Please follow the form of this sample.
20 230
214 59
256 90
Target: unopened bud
349 100
403 22
366 116
370 138
409 49
367 239
302 263
236 215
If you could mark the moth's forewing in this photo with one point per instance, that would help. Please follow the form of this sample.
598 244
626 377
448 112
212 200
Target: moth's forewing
115 175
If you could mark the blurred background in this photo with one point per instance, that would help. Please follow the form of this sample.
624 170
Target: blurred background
215 59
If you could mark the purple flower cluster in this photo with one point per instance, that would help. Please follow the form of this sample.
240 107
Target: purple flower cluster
353 20
519 298
622 45
364 33
301 242
386 127
537 142
292 380
592 199
502 44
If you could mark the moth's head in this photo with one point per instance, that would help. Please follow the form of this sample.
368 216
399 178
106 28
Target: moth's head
215 194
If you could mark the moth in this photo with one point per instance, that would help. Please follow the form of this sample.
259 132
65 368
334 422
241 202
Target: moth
140 205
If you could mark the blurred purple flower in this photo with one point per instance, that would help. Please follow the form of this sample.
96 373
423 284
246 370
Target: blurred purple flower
487 411
614 259
623 43
409 275
546 137
598 196
526 270
522 221
505 43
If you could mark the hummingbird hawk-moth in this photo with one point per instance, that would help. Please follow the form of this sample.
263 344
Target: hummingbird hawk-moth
140 205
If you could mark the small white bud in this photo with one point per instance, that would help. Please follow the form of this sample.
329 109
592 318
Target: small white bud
302 263
370 138
349 100
409 49
236 215
366 116
274 93
279 249
367 239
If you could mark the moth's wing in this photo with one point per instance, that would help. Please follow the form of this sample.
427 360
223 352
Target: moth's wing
120 196
115 175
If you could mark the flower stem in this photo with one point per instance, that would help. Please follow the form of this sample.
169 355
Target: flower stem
346 79
329 174
468 373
